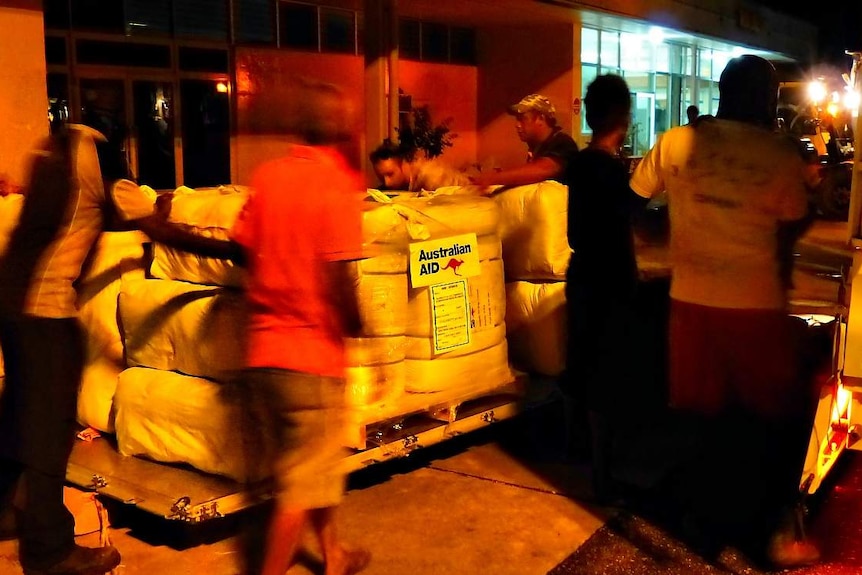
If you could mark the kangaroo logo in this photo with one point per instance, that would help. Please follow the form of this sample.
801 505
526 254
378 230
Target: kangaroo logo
453 265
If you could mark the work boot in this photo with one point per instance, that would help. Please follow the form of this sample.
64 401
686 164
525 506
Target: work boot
82 561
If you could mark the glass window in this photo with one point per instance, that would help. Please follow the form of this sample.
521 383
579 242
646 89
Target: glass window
58 98
588 74
719 61
635 52
298 25
638 81
253 21
662 103
462 48
589 46
610 45
203 18
123 54
148 17
202 60
435 42
662 58
704 63
410 39
56 14
98 15
55 50
338 31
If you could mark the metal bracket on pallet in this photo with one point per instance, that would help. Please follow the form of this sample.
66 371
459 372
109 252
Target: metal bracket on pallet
489 417
182 510
99 482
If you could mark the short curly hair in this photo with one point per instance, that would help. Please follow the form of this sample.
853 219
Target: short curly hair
608 103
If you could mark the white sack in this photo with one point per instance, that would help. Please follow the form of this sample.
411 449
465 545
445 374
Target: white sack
487 295
176 418
178 326
10 211
533 228
536 323
210 212
483 370
116 257
423 347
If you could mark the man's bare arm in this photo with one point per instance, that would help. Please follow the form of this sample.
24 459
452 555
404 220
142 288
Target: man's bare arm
533 172
172 235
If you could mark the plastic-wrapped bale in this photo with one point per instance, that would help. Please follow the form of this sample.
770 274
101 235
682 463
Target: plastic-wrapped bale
482 361
536 323
375 369
375 360
533 229
117 257
10 210
177 326
176 418
381 288
210 212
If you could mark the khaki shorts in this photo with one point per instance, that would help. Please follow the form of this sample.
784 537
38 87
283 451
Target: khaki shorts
294 428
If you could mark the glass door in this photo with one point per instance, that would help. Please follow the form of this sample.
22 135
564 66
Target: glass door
104 107
642 131
205 108
153 133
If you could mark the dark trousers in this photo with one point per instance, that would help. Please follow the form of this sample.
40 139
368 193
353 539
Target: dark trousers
44 359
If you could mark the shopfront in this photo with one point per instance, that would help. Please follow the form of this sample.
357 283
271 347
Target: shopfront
666 70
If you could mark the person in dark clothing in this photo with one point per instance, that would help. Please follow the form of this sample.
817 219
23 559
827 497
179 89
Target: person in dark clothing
602 277
67 205
549 149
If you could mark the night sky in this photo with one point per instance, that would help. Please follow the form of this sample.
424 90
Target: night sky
839 23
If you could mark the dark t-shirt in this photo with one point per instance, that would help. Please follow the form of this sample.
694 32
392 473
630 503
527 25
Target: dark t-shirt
560 147
600 225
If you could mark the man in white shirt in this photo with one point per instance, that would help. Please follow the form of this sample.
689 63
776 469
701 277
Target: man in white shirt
67 206
735 187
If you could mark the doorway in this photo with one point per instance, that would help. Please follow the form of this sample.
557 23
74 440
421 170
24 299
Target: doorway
165 132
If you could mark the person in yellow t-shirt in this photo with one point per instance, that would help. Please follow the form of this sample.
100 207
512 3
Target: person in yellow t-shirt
736 198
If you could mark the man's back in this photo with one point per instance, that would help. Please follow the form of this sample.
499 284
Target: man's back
729 185
301 216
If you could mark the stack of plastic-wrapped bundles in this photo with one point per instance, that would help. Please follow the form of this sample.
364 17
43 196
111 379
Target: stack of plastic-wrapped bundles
533 226
183 327
10 209
480 361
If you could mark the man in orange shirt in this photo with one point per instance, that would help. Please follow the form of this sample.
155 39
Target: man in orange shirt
299 230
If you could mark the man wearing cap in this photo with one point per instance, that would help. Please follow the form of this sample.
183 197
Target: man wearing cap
549 149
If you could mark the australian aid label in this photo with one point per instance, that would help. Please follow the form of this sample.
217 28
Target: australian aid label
444 260
450 315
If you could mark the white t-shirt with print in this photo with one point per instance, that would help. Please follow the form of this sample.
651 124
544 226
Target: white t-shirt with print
728 184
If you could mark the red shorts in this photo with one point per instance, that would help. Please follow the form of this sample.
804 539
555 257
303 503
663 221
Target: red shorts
735 358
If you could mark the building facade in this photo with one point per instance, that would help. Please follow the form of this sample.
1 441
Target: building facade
190 88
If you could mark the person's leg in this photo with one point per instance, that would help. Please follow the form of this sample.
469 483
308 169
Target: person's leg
51 364
282 539
51 355
338 560
777 404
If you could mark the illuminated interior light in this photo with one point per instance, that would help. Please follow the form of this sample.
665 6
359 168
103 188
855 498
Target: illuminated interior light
817 91
851 100
221 88
832 109
656 35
